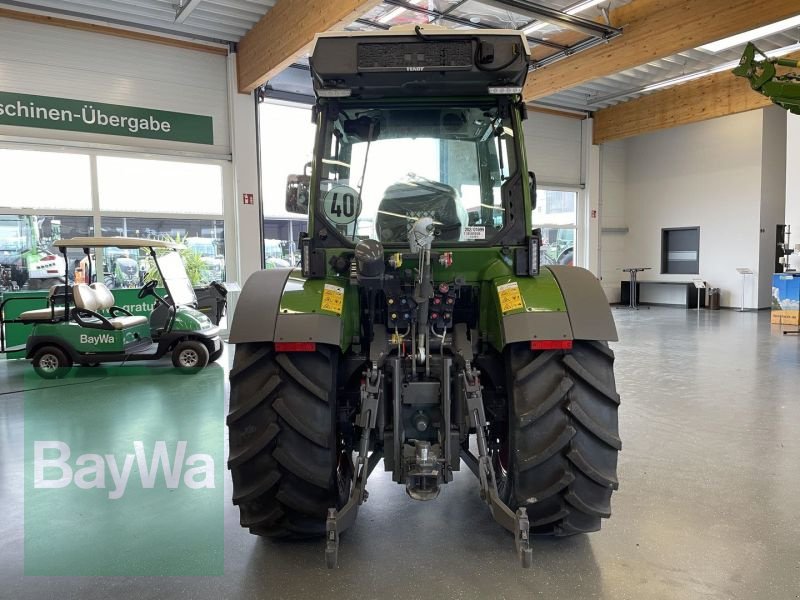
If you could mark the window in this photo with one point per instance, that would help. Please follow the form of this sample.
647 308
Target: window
28 259
159 186
280 241
49 180
203 253
680 250
287 145
556 215
383 169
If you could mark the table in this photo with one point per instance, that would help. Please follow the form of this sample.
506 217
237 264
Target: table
634 271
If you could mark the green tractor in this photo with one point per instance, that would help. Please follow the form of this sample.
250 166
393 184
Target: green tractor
24 259
414 332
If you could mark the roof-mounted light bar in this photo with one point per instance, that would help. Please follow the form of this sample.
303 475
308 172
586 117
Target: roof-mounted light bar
505 89
334 92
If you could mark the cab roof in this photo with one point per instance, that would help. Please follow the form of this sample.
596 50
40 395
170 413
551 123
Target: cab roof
421 60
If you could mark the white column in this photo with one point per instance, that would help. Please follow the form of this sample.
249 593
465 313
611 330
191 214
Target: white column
590 177
246 240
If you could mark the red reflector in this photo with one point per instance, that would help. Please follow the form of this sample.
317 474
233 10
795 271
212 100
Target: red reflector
52 270
295 346
49 257
551 345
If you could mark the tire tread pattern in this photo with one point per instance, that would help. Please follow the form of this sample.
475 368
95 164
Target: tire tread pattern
283 455
564 436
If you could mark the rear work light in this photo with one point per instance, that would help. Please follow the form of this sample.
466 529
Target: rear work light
551 345
295 346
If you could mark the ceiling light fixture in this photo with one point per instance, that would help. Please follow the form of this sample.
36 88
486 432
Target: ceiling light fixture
396 12
572 10
753 34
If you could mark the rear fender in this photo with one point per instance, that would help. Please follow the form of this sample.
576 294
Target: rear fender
279 305
562 303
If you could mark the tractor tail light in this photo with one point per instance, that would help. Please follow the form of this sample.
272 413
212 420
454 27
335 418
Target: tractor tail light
295 346
551 345
48 258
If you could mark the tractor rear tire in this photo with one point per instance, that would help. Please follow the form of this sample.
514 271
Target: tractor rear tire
285 459
563 436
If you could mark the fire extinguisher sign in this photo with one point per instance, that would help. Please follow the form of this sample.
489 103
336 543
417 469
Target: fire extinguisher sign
247 199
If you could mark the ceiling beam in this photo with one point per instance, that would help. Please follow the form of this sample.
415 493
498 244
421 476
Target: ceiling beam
654 29
714 96
285 34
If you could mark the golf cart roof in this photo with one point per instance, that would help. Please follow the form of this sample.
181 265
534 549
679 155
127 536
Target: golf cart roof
113 242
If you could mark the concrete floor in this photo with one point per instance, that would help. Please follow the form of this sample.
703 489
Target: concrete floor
708 505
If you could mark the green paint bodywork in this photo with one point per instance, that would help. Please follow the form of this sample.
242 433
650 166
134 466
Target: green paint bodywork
483 267
783 90
89 340
189 319
304 296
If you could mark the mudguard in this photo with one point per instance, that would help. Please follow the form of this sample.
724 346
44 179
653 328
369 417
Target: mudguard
562 303
279 305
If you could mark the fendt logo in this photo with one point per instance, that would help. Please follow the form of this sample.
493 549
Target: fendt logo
89 470
415 68
102 338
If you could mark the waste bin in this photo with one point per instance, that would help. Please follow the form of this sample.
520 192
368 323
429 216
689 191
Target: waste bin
211 301
713 298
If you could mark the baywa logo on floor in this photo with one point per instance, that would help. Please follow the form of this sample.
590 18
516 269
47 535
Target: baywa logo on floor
92 471
123 473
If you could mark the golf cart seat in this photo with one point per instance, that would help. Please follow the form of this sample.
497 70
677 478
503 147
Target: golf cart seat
89 300
51 313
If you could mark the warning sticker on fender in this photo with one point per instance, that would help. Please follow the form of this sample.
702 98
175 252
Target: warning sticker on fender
509 296
332 298
474 232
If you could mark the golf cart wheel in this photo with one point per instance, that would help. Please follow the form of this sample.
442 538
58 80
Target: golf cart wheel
287 465
214 357
51 362
563 440
189 356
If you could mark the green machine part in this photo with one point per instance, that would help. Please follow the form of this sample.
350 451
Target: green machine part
85 340
560 303
762 72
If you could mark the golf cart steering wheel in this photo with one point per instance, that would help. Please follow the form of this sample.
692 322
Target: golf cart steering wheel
148 289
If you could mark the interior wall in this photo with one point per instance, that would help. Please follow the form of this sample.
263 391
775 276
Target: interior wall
45 60
705 174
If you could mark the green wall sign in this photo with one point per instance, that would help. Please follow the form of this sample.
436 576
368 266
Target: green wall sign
24 110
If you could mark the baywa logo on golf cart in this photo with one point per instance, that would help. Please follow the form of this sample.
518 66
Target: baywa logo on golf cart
101 338
90 470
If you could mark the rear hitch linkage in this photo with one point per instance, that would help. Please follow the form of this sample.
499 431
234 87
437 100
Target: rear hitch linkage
339 520
517 522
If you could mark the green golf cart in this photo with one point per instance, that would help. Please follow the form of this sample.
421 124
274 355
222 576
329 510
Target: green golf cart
82 325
